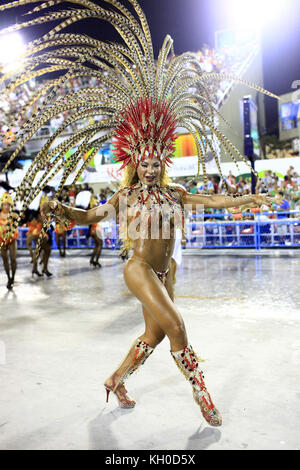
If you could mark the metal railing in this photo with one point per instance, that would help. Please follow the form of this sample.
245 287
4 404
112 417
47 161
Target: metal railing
265 231
206 231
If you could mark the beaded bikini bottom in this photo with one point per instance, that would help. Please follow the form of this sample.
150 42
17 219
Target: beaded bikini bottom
162 276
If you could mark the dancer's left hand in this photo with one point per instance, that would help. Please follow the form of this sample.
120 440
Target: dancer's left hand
260 199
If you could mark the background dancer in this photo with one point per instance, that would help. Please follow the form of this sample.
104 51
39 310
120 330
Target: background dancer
9 245
96 233
35 226
60 238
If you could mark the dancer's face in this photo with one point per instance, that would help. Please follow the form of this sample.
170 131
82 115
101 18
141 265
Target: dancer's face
149 171
5 207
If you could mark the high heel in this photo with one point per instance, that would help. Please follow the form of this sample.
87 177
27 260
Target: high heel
121 395
48 274
140 351
107 393
119 390
35 271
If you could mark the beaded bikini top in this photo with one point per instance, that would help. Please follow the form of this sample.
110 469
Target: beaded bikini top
152 201
155 195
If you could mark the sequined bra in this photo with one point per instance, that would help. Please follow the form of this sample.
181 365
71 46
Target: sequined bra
155 203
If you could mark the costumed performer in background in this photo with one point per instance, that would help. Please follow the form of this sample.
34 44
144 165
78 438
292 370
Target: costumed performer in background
8 245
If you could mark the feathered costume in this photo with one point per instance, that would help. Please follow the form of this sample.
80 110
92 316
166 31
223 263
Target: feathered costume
139 102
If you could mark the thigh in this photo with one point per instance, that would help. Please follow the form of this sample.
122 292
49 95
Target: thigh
153 331
169 282
29 241
13 249
95 238
4 250
45 246
154 334
144 284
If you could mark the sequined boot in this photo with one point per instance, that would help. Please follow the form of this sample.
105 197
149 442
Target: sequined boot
136 357
188 364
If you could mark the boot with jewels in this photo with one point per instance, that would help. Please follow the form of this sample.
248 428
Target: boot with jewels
136 356
188 364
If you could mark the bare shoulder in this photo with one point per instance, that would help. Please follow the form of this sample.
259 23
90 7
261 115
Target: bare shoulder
175 187
177 192
127 190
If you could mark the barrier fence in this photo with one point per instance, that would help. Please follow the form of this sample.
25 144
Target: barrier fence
206 231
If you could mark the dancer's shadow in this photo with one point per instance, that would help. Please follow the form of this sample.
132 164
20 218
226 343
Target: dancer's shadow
101 437
201 440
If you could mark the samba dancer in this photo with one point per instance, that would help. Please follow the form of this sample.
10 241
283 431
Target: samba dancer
139 103
9 245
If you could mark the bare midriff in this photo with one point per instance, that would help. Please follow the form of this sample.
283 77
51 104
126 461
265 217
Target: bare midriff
156 253
155 250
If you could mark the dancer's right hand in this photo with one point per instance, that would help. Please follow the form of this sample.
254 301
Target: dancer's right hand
48 207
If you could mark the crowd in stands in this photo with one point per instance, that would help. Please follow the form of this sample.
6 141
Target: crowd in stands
70 193
288 187
12 104
13 112
272 184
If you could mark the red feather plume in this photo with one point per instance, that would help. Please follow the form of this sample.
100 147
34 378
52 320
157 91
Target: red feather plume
145 129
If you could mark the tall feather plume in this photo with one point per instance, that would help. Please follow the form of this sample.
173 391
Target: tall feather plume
137 101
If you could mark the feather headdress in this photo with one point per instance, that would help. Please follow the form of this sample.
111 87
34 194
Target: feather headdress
6 198
138 102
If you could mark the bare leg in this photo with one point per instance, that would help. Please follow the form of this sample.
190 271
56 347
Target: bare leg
57 239
144 284
63 237
46 255
29 241
4 254
152 336
92 259
35 258
97 251
13 259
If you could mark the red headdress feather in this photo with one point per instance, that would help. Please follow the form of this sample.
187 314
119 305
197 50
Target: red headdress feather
145 129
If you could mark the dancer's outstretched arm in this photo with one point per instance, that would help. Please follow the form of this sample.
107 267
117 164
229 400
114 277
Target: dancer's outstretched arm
83 217
220 201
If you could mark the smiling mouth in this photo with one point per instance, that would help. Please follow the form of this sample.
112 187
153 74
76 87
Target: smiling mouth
150 178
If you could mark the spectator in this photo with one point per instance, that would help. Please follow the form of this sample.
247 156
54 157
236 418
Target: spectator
194 188
282 228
